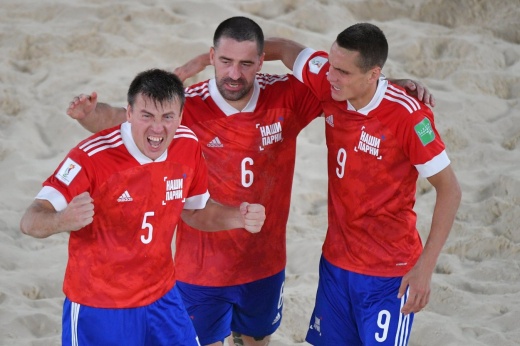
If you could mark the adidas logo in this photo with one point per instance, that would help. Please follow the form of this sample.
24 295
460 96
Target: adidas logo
125 197
215 143
330 120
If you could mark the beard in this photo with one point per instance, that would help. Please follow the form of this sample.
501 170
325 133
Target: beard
233 95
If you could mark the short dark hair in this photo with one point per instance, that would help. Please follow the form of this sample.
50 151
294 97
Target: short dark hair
369 41
158 85
240 29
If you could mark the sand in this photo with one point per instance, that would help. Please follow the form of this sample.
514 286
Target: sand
467 52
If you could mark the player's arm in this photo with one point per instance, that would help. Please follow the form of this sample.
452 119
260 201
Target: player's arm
446 205
287 51
277 48
216 217
193 66
95 116
41 220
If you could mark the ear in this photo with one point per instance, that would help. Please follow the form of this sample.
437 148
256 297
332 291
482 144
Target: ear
262 57
375 73
128 113
212 56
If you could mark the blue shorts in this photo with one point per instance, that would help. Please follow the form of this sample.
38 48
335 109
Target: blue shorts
164 322
252 309
354 309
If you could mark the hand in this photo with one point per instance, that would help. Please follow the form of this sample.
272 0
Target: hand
253 215
78 213
81 106
418 281
416 89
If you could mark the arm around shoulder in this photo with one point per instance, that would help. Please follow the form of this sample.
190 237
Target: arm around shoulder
277 48
95 116
217 217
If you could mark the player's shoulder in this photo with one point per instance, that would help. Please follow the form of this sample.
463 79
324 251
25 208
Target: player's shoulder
403 103
197 90
101 141
184 133
278 83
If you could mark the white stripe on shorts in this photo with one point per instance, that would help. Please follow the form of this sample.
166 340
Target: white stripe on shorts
404 323
74 313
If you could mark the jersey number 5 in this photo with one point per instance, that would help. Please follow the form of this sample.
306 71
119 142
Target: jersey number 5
146 224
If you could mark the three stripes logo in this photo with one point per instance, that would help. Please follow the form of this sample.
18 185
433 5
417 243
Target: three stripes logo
215 143
125 197
330 120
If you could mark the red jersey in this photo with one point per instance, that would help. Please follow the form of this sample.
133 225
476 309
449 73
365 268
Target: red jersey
250 157
374 157
123 259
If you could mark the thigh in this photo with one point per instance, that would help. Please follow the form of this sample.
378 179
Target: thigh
210 310
169 323
378 311
84 325
332 321
258 310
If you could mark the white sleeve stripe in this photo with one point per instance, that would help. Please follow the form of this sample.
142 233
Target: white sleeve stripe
54 197
402 103
434 166
100 142
115 145
186 136
411 99
99 138
300 62
197 202
414 105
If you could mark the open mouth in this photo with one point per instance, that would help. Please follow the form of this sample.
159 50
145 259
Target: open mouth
154 141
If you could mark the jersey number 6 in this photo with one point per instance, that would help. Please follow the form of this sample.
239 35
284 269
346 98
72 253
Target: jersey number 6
247 175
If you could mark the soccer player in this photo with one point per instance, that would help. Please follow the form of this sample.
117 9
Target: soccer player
374 272
247 123
120 193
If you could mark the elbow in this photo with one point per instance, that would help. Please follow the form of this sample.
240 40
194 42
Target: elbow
27 228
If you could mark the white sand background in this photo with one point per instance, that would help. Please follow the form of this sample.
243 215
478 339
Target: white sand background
466 51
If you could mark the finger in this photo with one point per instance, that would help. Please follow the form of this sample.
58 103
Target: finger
411 85
432 101
410 305
244 209
420 93
402 288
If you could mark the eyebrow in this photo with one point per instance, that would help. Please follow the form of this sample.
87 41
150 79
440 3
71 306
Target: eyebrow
231 59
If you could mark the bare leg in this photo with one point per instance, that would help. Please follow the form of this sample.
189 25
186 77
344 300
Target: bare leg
237 339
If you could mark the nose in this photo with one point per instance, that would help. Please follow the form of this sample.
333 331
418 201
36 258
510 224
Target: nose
235 72
157 125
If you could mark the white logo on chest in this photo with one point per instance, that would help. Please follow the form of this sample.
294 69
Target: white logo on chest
270 134
368 144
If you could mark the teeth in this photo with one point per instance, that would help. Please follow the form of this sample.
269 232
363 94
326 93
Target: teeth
335 88
155 141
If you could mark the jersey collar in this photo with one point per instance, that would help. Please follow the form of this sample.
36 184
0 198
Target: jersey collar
128 141
376 99
226 107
